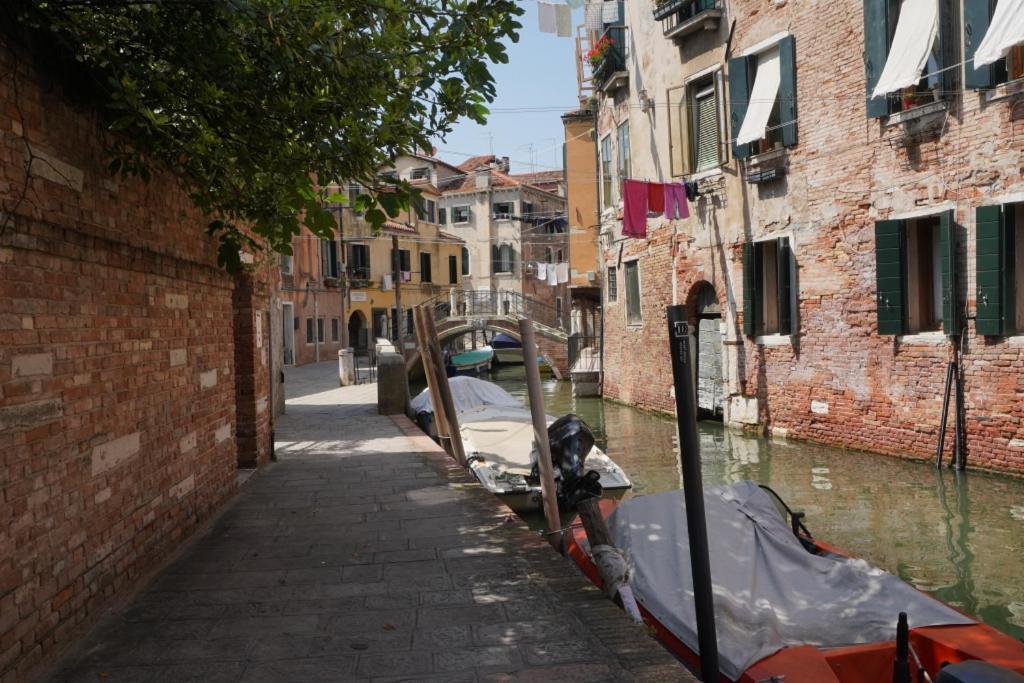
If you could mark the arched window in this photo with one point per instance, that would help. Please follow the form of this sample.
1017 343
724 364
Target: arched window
465 261
504 264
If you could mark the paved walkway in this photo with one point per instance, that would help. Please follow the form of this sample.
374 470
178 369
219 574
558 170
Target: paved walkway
365 553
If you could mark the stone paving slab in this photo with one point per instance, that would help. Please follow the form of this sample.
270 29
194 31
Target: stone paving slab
365 553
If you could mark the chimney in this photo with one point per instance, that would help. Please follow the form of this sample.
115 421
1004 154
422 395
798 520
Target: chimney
483 179
503 166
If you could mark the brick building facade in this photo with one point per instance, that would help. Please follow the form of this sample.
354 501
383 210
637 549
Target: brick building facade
834 264
133 371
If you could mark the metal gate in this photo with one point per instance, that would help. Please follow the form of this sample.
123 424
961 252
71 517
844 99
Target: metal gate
709 366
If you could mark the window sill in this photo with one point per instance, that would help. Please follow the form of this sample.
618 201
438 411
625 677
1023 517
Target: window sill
1004 91
774 340
704 175
918 113
930 337
635 326
776 157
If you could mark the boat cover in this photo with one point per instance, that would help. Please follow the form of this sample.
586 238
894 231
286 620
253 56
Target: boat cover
468 393
505 341
770 592
474 357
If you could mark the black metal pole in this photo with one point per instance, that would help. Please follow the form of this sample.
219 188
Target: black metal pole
693 492
958 391
945 411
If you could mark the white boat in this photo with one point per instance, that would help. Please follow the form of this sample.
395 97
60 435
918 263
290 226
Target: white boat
497 435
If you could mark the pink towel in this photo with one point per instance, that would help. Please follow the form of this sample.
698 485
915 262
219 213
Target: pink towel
655 198
675 201
634 213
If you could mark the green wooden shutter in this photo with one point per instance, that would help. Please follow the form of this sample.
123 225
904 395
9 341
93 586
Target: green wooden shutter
787 90
876 49
751 289
890 272
739 96
947 251
977 15
784 263
994 266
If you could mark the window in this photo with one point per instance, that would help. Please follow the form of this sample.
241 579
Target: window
768 296
442 216
622 140
465 261
613 284
335 330
285 263
916 275
460 214
503 258
404 261
549 255
558 310
320 330
354 191
359 261
426 210
762 99
606 173
425 274
408 322
705 128
633 316
453 270
527 209
1000 269
419 173
310 334
329 258
504 210
979 17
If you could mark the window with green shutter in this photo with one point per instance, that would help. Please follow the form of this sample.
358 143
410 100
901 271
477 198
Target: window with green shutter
890 276
740 82
705 128
768 294
782 122
633 312
996 265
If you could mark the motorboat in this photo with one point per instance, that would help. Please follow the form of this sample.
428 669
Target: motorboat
507 349
789 606
471 363
497 436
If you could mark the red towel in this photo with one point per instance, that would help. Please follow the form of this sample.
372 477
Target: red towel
634 210
655 198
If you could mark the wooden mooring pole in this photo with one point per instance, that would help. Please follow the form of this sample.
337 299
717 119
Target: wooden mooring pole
540 435
440 419
452 420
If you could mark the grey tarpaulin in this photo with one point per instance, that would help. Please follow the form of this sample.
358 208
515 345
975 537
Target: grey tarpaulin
770 592
468 393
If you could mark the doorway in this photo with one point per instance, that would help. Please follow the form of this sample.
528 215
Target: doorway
710 381
357 333
288 332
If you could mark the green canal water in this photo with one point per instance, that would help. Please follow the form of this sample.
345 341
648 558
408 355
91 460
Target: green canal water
959 537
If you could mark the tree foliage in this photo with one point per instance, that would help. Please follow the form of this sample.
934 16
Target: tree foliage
250 102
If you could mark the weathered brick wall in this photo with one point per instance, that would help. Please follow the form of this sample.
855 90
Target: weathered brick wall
847 171
117 372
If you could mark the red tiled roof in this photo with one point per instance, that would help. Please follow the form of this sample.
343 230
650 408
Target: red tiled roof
399 227
473 163
448 236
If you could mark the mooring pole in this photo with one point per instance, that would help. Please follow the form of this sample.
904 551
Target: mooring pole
693 492
540 435
945 412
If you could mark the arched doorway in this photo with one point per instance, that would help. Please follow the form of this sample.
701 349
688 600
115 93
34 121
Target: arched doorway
707 313
357 335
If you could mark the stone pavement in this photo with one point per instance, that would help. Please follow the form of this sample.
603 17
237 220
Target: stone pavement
365 553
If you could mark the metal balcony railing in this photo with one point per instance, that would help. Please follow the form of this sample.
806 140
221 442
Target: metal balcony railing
614 59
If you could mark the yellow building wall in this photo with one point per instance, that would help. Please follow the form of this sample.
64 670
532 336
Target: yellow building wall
582 205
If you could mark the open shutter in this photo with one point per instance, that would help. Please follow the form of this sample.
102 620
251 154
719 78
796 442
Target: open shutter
739 96
784 263
977 15
787 90
947 250
876 49
890 267
995 291
751 289
678 132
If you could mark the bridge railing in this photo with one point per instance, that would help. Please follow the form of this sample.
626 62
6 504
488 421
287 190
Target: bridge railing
496 303
584 352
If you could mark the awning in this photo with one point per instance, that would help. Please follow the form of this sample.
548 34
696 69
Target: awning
1005 30
762 97
915 35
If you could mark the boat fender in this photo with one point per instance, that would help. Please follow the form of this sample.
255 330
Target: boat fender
976 671
615 567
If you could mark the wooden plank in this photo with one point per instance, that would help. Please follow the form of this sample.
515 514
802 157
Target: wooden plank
429 371
430 338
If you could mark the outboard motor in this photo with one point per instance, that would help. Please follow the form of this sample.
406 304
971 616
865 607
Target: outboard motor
571 441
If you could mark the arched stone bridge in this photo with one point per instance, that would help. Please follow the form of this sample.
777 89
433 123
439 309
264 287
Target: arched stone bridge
499 311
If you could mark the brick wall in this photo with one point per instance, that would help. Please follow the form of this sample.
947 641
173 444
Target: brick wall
119 354
870 391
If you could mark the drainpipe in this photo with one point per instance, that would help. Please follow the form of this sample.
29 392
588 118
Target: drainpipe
600 251
316 321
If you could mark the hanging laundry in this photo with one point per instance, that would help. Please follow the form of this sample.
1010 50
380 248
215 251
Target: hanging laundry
595 17
546 17
542 273
386 282
675 201
655 198
610 12
574 4
406 275
691 190
563 273
634 212
552 274
563 20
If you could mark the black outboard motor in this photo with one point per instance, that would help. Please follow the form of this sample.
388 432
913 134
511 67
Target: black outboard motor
571 441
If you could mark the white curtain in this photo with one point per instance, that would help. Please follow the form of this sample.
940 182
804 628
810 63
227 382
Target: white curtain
915 35
762 98
1004 31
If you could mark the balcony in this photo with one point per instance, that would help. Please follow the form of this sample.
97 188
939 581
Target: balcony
610 70
359 277
681 18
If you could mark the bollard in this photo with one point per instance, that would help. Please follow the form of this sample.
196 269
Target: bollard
346 367
392 384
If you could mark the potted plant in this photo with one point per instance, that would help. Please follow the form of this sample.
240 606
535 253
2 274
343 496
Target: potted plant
597 53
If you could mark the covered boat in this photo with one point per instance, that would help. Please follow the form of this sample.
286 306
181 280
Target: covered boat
471 363
788 607
507 349
497 434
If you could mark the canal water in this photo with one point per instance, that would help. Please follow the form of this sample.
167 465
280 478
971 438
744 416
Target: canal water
958 536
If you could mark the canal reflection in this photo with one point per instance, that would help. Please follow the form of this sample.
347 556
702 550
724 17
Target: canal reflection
958 536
